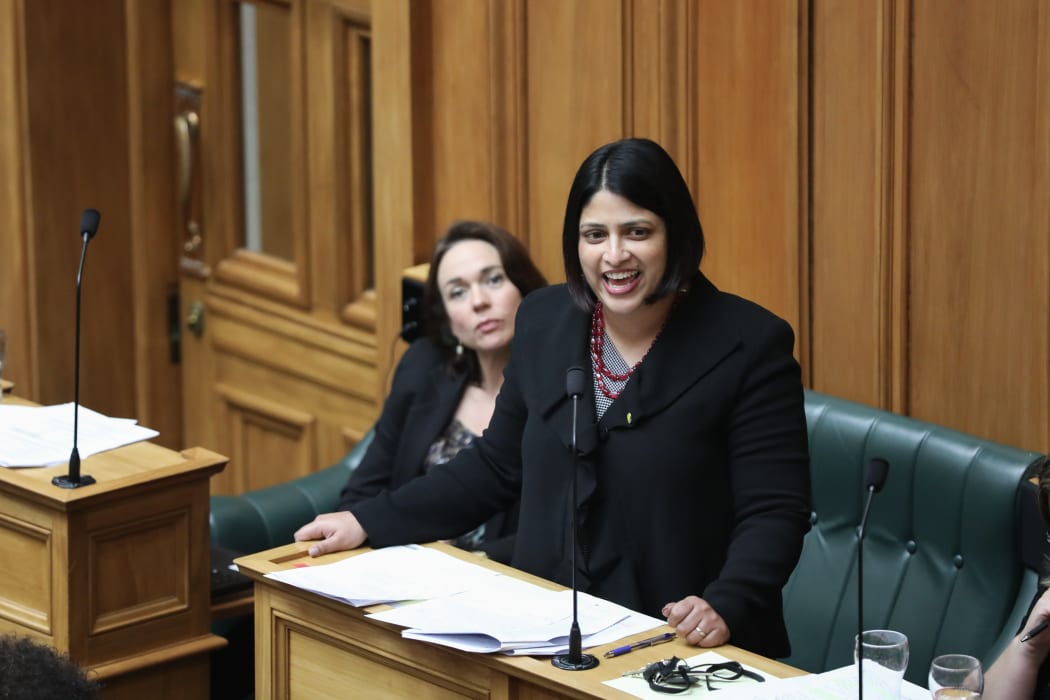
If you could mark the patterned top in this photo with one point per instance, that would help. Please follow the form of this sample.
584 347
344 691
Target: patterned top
615 364
455 437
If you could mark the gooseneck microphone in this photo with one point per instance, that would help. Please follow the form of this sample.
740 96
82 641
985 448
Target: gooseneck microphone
874 478
575 660
88 228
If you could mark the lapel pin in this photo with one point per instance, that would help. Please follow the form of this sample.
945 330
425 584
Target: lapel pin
628 418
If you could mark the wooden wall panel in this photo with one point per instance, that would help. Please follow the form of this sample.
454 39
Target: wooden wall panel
575 103
978 221
151 206
16 310
876 173
89 126
852 47
397 168
77 97
662 91
276 439
338 125
750 178
509 97
458 122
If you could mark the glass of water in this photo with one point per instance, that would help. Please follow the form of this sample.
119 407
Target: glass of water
885 658
956 676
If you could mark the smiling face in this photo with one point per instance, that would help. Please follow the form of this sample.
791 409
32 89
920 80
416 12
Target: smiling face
480 300
623 252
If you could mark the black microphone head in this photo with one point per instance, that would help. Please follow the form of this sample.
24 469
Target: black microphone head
574 381
89 223
875 477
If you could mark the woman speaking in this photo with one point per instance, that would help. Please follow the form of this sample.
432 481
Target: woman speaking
693 491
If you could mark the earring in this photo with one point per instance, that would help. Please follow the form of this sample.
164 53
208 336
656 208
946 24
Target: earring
459 349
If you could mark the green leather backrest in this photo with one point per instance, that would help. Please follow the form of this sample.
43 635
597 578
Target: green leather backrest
941 550
266 518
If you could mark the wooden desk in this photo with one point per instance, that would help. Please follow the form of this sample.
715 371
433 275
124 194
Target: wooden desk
308 646
116 574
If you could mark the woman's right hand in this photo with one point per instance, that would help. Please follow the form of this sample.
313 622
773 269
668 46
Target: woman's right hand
1014 673
1039 645
334 532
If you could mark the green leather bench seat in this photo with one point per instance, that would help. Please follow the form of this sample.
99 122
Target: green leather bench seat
267 518
942 559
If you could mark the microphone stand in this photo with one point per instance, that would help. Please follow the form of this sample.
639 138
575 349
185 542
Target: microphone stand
860 595
873 480
73 479
575 660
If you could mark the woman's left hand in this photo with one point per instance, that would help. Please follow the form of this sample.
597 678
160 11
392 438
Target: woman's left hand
697 622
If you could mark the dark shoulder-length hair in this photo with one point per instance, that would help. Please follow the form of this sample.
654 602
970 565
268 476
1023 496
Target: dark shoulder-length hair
517 264
1040 468
642 172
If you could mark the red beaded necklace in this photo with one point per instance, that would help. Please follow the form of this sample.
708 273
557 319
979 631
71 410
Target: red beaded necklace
601 372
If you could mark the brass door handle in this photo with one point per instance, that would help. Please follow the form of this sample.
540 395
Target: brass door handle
195 319
187 127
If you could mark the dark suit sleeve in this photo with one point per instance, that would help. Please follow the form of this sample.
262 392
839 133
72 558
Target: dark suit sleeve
454 497
500 534
769 480
375 472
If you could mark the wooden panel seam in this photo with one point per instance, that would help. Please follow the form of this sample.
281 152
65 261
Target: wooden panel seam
898 173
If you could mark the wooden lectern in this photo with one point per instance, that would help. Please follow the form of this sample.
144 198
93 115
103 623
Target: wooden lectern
116 574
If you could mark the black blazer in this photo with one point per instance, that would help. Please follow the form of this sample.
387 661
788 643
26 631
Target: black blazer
422 402
695 481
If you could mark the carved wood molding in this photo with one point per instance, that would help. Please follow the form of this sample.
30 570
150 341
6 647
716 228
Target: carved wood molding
33 606
123 598
243 412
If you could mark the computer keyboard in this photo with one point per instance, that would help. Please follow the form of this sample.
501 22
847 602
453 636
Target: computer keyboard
225 580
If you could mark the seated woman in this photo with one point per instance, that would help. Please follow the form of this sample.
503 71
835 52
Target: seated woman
445 387
1022 671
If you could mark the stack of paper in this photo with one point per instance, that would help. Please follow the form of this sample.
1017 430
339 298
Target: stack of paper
389 575
466 606
42 436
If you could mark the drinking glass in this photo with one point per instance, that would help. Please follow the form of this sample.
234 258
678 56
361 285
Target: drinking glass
956 676
885 660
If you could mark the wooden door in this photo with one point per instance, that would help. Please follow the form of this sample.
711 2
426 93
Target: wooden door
273 127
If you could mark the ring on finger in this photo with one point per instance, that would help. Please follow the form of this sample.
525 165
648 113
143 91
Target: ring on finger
700 631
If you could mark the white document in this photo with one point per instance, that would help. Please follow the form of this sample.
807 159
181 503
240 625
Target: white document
634 623
508 615
839 684
464 605
388 575
42 436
